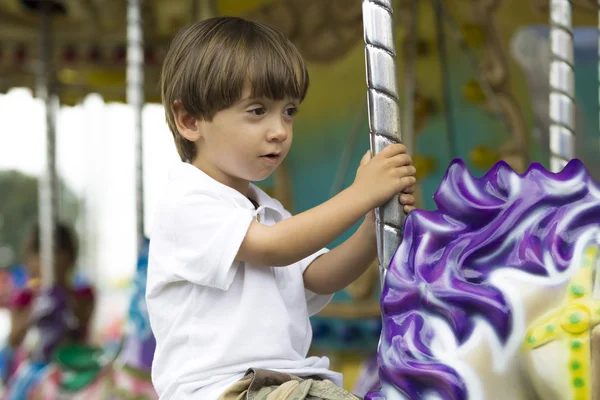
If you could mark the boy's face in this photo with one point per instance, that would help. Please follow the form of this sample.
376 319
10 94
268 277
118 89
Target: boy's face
63 265
245 142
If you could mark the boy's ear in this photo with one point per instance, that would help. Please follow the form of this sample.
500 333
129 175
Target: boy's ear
187 125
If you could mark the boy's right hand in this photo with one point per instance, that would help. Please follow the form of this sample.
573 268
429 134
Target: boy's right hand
384 176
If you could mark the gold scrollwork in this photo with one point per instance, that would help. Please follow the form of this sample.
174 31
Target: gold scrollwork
543 6
323 31
495 71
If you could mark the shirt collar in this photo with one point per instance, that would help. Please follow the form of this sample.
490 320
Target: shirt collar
190 172
263 199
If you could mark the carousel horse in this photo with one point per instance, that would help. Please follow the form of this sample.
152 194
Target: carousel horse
495 295
118 371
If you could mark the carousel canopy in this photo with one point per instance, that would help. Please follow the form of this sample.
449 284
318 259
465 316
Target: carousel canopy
89 50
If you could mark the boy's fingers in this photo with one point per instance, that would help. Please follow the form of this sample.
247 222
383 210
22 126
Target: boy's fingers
401 160
409 190
407 199
366 158
393 149
406 182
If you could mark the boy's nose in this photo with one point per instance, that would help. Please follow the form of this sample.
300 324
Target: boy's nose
277 134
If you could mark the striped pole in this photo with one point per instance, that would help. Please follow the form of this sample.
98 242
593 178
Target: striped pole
562 85
384 114
135 98
48 183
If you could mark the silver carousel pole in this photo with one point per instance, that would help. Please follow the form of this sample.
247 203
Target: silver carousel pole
562 85
48 184
384 114
135 98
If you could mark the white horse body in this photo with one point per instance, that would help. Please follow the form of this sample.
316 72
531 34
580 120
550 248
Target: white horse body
491 297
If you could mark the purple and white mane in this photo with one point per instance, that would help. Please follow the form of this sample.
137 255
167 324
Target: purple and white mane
457 281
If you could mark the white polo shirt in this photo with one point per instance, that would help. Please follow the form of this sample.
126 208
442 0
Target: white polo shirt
214 317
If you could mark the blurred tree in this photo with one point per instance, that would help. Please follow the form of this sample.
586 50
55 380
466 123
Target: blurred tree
19 209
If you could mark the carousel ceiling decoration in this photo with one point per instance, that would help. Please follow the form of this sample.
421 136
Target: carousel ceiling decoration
89 50
323 31
89 38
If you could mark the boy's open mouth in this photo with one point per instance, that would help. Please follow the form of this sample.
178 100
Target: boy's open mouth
271 158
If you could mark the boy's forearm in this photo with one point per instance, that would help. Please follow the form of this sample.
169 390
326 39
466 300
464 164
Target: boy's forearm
304 234
343 265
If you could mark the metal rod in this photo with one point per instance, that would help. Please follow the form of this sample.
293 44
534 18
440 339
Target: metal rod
384 114
562 85
48 183
135 98
445 77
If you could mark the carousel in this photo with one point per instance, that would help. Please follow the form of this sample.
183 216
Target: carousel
490 295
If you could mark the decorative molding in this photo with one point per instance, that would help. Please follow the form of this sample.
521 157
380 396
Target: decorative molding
323 31
495 71
542 6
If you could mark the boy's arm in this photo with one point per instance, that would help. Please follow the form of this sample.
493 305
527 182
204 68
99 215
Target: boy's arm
344 264
302 235
341 266
378 180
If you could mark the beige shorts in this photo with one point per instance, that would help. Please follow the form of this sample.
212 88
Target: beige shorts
262 384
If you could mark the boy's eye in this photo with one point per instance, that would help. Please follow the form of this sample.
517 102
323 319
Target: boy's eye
257 111
291 111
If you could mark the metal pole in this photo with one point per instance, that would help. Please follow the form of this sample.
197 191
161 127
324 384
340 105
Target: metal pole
562 85
48 183
384 114
135 98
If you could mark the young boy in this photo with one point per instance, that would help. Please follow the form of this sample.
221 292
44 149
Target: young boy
32 308
233 277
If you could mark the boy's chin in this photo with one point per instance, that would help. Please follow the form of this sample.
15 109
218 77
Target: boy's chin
261 177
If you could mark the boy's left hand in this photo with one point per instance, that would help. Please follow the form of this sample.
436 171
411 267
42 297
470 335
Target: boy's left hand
407 199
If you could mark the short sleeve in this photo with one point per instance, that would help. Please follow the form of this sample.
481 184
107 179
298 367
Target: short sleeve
315 302
207 235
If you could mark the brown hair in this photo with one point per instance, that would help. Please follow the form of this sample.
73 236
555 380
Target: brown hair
64 240
209 63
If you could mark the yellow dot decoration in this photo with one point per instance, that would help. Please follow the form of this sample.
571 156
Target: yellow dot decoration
571 323
575 319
